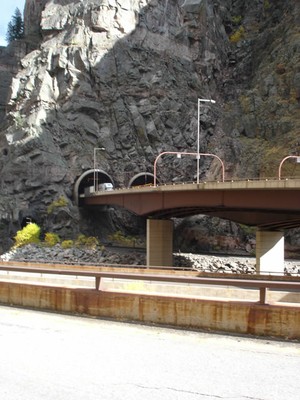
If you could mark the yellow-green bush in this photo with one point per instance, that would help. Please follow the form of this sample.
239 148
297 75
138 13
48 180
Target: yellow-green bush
238 35
67 244
61 202
29 234
90 242
82 241
236 19
51 239
120 238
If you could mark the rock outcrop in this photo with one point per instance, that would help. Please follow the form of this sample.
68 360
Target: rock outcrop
9 65
132 257
125 76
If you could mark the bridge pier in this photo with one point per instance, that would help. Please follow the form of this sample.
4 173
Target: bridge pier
159 243
269 252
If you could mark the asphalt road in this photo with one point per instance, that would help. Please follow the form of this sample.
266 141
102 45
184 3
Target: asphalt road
47 356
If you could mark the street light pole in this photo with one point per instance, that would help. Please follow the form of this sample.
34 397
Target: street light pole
198 133
95 151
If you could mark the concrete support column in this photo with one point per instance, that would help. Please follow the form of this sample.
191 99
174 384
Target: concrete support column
269 252
159 243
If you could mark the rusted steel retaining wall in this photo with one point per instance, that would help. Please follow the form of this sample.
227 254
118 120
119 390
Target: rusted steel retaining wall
229 316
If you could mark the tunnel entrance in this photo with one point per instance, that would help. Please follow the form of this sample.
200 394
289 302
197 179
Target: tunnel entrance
27 216
141 179
90 180
28 219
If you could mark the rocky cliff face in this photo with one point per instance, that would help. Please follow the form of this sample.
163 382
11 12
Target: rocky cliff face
125 76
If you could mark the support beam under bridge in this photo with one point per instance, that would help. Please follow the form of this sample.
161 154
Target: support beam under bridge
269 252
159 243
269 247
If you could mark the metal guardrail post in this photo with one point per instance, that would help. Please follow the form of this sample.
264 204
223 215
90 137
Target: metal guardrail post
262 295
98 282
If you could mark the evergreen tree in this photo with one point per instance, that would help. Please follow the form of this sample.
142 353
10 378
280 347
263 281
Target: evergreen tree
15 29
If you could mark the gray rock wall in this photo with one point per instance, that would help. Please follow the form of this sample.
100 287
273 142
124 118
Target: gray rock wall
126 76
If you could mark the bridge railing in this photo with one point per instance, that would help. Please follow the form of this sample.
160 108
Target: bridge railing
260 284
193 182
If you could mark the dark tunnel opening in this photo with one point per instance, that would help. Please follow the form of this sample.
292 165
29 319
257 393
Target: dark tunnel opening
90 182
142 179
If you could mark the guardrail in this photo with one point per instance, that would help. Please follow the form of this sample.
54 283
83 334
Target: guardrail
204 181
261 284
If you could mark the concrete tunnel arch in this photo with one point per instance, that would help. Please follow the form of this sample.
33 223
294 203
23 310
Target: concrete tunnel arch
141 179
87 179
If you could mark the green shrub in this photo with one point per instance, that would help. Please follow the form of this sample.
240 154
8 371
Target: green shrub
51 239
29 234
119 237
80 241
90 242
238 35
67 244
61 202
237 19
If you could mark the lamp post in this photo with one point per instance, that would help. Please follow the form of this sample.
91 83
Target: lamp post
95 151
198 133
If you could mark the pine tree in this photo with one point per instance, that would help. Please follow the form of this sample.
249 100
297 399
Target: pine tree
15 29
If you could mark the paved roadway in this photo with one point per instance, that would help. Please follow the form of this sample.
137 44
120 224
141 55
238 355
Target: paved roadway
47 356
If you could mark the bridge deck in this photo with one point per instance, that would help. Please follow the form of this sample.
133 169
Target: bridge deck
268 204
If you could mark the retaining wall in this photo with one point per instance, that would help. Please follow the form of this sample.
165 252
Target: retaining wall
282 321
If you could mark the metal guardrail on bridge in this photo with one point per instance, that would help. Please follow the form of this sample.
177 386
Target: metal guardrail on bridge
261 284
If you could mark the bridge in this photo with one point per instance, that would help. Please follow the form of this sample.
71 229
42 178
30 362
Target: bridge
270 205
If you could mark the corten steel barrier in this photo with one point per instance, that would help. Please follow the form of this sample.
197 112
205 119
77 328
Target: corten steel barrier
261 284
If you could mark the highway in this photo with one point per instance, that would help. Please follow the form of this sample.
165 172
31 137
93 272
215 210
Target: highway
61 357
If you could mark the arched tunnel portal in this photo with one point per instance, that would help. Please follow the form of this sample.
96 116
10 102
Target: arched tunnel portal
90 179
141 179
